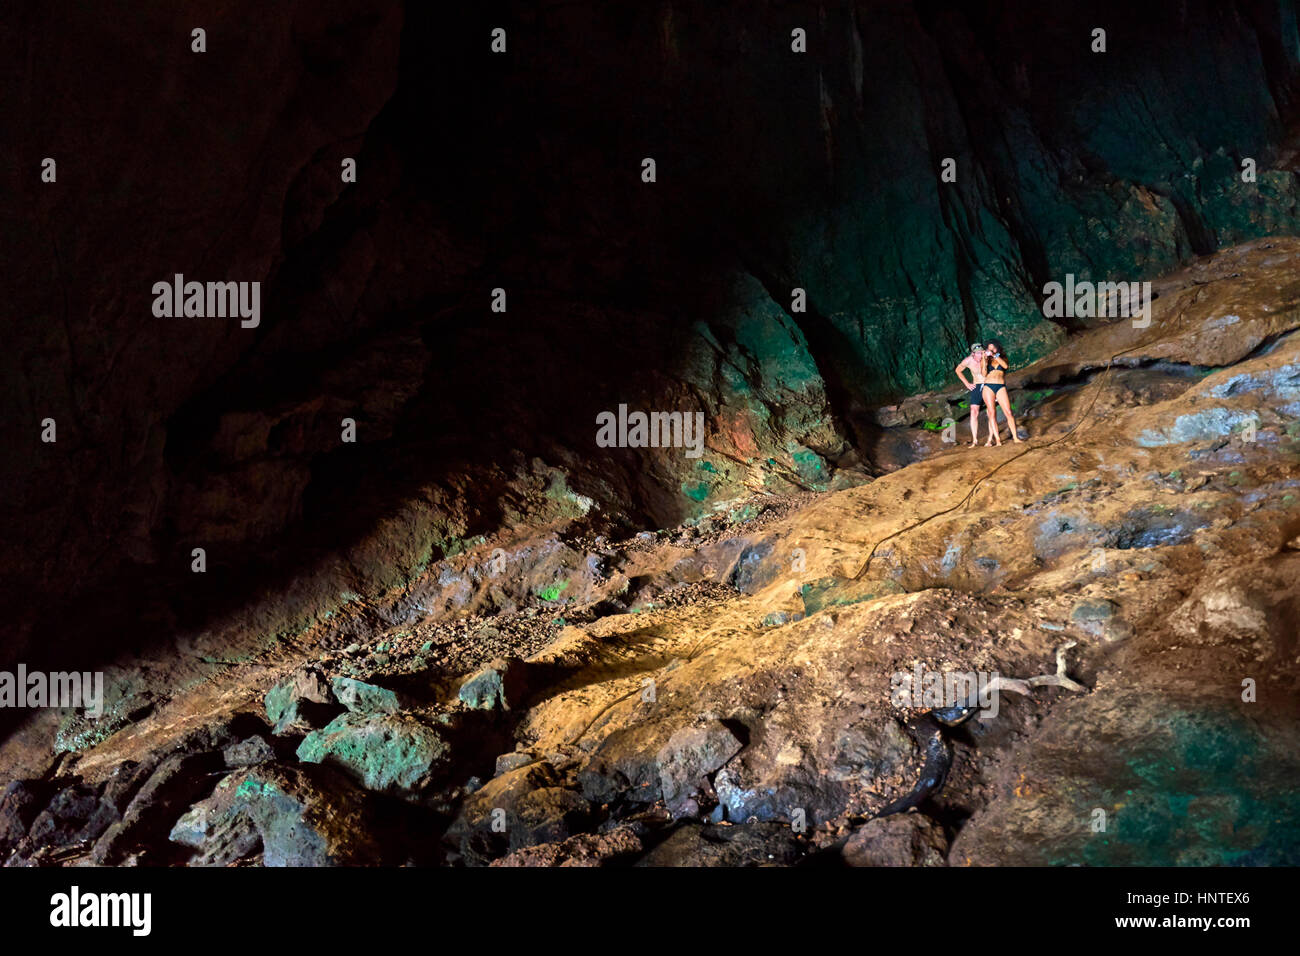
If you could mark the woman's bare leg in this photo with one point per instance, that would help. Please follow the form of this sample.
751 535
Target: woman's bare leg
994 436
1004 401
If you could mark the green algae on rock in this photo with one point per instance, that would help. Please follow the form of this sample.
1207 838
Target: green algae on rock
382 751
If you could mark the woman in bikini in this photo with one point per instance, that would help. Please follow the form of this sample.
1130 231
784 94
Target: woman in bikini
995 391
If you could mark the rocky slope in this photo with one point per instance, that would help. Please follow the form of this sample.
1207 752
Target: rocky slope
723 692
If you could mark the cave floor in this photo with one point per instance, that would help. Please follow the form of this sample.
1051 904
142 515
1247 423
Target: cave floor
726 693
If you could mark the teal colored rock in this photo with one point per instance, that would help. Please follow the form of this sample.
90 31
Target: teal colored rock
832 591
362 698
499 684
381 751
695 490
1093 610
289 703
1210 790
742 514
812 467
279 701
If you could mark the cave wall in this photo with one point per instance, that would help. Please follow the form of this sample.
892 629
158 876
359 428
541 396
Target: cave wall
824 169
168 161
775 170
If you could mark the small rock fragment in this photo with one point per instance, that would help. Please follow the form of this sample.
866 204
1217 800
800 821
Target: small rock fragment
497 685
301 703
248 753
362 698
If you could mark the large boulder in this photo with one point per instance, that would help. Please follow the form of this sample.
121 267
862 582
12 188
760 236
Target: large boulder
364 698
381 751
19 805
903 839
292 816
690 758
520 808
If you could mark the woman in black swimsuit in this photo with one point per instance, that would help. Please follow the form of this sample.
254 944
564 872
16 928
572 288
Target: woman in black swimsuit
995 390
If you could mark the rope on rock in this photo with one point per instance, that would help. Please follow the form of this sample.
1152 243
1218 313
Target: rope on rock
1060 438
1074 429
